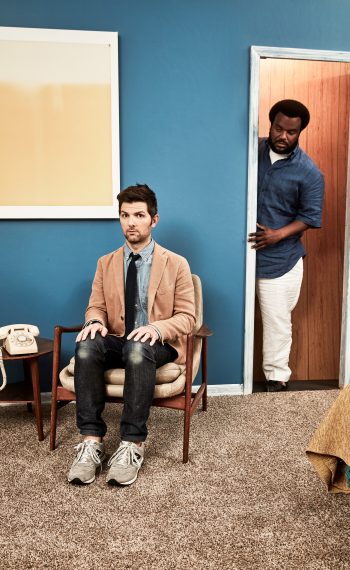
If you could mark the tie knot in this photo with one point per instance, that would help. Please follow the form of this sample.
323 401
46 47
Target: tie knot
134 256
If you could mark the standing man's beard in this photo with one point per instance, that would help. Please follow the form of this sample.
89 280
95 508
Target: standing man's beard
286 150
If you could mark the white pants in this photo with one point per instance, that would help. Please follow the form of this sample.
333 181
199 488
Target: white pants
277 299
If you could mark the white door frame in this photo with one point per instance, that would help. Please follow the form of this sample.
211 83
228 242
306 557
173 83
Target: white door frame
258 52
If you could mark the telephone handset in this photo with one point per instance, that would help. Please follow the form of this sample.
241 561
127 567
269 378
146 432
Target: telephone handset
19 339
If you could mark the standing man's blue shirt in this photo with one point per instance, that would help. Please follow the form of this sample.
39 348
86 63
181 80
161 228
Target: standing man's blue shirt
288 190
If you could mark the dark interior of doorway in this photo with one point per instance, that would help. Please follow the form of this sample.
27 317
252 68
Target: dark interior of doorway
301 385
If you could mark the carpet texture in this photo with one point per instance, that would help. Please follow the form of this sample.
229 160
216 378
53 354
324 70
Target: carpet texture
247 499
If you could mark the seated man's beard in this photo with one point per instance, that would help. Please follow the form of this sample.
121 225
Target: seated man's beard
285 150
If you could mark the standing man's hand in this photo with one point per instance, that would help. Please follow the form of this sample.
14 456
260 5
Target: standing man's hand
268 236
144 333
264 238
91 330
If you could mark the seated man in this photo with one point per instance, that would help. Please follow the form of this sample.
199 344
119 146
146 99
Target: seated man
140 309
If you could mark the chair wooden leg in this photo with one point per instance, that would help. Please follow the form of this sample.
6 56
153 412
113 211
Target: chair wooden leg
53 423
186 443
55 372
204 374
188 398
204 400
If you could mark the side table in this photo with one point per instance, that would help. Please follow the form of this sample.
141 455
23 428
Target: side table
25 392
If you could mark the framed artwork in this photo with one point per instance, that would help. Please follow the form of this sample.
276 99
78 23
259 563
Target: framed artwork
59 124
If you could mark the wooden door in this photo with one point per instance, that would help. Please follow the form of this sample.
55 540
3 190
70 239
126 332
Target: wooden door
324 87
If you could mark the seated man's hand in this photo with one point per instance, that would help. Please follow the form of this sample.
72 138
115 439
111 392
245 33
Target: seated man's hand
143 334
91 330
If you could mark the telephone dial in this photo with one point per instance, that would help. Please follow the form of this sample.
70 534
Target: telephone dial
19 339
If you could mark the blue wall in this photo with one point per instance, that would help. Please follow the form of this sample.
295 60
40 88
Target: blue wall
184 96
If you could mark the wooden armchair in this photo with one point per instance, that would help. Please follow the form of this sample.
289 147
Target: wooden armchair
173 381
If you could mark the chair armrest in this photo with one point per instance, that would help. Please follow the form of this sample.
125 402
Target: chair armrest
59 329
62 329
203 332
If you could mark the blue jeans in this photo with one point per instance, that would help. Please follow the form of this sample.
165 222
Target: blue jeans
140 360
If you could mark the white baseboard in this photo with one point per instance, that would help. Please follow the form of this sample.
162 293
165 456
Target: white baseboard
213 390
46 397
223 389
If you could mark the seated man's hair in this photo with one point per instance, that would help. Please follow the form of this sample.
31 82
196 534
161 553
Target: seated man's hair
291 108
139 193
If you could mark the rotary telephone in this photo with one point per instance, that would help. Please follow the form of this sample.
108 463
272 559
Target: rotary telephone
19 339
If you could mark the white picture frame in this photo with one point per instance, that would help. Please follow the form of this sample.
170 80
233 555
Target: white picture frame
59 124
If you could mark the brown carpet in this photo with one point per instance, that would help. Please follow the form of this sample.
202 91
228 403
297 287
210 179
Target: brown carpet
248 498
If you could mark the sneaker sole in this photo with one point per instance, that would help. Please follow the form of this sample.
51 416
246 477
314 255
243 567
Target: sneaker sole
77 481
115 483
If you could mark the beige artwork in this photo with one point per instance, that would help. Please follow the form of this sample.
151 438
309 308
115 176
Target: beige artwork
55 125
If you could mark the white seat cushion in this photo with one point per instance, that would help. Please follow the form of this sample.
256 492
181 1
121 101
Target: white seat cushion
170 380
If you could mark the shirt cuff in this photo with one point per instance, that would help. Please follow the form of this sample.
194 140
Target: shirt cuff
157 331
91 322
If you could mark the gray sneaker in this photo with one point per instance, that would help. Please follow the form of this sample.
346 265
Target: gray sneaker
125 463
89 456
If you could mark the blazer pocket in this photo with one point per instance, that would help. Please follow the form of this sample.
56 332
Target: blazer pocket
163 305
166 289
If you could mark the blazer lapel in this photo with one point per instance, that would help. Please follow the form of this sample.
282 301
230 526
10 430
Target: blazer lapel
119 275
158 266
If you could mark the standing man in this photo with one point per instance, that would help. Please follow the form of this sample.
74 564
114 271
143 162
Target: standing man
140 309
290 199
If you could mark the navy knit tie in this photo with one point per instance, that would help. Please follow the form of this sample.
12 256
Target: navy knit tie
130 294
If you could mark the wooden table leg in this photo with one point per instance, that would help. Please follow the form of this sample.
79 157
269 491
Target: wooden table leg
34 371
27 376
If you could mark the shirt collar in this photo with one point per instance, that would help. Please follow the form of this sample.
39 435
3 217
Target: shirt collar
145 253
274 156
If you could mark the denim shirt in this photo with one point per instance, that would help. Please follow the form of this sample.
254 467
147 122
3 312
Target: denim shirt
143 266
288 190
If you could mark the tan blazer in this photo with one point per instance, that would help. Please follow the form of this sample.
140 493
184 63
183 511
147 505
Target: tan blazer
170 296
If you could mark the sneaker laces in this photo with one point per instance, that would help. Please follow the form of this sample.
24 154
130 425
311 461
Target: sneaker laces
86 451
126 455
